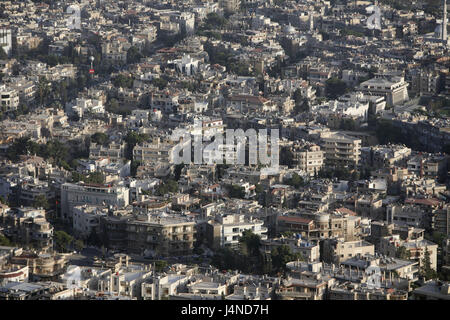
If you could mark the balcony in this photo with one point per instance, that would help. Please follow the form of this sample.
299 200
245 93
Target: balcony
263 230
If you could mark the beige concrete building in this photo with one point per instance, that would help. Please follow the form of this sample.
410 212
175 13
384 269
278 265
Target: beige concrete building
389 246
336 251
152 235
340 148
309 158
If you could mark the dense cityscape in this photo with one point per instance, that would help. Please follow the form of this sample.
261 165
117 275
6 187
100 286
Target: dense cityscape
224 150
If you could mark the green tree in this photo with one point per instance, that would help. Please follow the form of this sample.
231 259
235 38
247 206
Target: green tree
160 265
133 167
95 177
99 138
236 191
62 240
123 81
296 181
41 202
282 255
4 241
132 139
425 270
133 55
286 157
3 54
250 243
79 245
335 87
159 82
43 89
170 186
259 188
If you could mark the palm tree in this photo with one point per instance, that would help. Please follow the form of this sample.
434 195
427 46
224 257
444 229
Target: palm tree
44 89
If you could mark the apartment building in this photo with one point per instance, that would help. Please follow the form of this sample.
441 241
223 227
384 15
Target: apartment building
384 156
441 221
416 248
42 266
153 152
160 287
226 230
29 190
315 225
309 158
29 226
433 290
13 273
91 194
353 291
336 250
25 88
340 148
430 166
6 40
151 234
394 88
114 151
9 98
86 219
310 251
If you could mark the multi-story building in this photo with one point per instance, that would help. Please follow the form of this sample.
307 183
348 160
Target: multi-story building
9 98
394 88
226 230
309 158
6 40
29 190
29 226
114 151
417 248
433 290
150 234
86 219
340 148
336 251
431 166
315 225
310 251
153 152
42 266
91 194
384 156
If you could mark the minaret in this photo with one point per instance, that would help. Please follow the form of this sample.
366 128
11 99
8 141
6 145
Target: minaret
444 23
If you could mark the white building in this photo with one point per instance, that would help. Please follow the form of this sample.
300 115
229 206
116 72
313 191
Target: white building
9 98
6 40
81 106
394 88
91 194
86 219
187 65
226 230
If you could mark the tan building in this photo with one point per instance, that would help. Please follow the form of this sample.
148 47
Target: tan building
151 235
340 148
45 266
336 251
390 245
309 158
